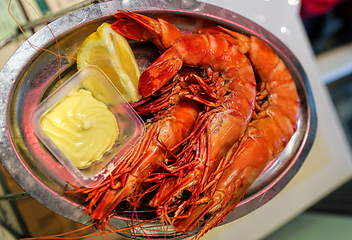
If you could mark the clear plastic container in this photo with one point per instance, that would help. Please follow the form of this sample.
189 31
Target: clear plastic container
131 126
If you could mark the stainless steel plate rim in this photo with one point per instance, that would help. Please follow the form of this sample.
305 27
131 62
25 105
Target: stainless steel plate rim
18 64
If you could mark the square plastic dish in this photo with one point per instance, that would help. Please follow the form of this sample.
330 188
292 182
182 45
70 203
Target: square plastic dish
130 125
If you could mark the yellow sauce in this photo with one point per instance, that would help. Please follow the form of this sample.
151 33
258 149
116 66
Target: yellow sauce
82 127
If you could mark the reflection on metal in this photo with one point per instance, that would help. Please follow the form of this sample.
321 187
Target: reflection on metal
30 75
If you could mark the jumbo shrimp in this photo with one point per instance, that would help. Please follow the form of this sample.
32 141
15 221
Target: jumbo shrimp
267 135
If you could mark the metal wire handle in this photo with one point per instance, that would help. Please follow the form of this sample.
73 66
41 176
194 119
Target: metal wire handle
14 196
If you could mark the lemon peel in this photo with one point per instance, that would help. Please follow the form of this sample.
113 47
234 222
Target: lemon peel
110 51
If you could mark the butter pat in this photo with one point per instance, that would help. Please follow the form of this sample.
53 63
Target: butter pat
82 127
87 126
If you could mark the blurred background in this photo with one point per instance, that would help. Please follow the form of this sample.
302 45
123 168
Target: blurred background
328 27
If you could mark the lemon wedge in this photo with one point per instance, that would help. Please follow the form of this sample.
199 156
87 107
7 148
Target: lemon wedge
110 51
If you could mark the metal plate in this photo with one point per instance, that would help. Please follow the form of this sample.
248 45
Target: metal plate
31 74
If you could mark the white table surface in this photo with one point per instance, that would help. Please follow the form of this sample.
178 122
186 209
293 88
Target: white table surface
329 163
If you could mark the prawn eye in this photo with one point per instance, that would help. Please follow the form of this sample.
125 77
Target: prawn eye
207 216
123 205
186 195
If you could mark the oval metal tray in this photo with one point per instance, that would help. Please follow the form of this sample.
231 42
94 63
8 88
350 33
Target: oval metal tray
31 74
